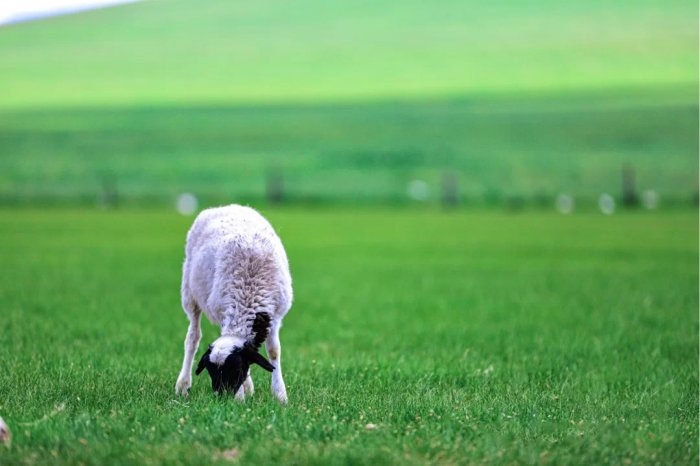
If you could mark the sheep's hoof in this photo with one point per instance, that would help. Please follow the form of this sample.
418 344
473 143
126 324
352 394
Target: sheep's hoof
240 394
281 397
182 388
248 387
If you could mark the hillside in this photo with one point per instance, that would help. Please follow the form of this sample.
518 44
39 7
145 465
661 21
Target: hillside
214 52
350 101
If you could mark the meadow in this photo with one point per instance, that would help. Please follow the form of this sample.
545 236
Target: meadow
493 332
176 52
350 102
500 149
416 337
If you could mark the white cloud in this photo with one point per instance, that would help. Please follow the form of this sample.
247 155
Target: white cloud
14 11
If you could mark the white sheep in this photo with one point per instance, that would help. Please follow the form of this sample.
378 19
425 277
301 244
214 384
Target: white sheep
236 271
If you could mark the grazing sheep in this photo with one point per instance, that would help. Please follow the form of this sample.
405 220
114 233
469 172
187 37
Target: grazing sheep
236 271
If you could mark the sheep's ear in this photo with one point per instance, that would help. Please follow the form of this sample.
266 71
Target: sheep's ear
254 357
203 362
260 360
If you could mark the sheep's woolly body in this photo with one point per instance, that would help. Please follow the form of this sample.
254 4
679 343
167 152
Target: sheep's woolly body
236 267
235 272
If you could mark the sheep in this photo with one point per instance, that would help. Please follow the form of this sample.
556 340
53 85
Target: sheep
237 272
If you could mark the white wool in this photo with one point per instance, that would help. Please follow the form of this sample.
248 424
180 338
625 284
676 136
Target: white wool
235 266
223 347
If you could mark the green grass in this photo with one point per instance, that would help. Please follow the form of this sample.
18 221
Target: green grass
351 101
213 52
526 148
464 337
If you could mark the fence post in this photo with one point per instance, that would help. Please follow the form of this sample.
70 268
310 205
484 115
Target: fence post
109 195
450 189
629 189
274 187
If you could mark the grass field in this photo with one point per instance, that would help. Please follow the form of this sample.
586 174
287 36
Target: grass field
513 147
351 101
213 52
464 337
471 336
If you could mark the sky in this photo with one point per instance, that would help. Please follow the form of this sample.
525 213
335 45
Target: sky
15 11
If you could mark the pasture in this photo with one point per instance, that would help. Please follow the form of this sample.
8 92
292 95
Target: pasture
416 337
477 335
210 53
525 149
350 102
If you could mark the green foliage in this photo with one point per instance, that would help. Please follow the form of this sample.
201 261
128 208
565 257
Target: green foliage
462 337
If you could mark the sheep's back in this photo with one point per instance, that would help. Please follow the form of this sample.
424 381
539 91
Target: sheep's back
234 260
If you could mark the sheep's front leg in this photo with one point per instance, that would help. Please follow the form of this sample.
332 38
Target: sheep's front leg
246 388
194 334
248 385
274 353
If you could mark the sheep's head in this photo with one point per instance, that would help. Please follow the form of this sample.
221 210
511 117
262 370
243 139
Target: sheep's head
230 374
227 360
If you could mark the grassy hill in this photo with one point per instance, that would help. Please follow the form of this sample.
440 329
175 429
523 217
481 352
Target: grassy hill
163 52
350 100
527 150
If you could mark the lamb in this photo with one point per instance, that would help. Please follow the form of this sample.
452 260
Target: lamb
236 271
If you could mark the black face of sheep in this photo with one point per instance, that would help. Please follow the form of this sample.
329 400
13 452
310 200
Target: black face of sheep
230 375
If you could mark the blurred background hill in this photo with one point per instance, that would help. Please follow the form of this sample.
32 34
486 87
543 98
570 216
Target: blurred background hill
494 103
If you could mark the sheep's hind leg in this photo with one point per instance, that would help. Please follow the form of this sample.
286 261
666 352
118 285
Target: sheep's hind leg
274 353
194 334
